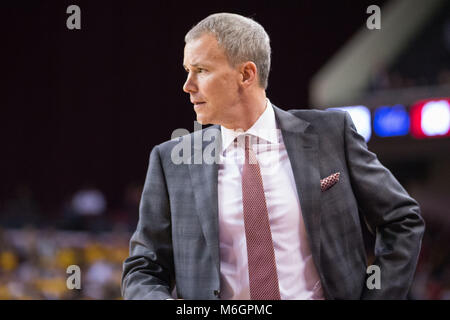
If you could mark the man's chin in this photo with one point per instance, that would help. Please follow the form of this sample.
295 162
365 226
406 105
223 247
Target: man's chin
203 121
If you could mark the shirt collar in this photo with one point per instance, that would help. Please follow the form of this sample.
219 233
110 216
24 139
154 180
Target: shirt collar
265 128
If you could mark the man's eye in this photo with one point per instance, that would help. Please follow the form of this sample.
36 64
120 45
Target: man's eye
197 70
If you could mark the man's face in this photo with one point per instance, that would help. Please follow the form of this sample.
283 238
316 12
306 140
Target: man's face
213 85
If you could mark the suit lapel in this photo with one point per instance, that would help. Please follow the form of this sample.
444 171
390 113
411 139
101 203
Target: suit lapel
302 148
204 178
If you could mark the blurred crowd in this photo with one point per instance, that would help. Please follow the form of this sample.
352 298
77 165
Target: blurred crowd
36 249
34 263
424 62
34 260
85 209
383 79
432 279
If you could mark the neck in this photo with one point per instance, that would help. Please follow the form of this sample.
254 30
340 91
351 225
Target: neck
249 112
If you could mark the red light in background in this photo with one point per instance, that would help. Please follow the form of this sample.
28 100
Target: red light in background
430 118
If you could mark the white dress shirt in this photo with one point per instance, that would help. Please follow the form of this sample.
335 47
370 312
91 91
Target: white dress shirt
297 275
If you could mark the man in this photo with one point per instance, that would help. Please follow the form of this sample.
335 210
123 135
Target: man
277 215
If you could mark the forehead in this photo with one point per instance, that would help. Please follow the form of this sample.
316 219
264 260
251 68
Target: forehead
203 50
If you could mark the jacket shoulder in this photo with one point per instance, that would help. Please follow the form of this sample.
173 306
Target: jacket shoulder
315 115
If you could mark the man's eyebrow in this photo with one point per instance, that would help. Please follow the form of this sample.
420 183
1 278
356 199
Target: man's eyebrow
195 65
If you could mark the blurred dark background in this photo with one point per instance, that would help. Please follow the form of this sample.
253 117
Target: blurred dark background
87 106
82 109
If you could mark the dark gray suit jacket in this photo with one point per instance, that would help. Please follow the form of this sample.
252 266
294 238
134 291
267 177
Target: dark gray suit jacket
177 238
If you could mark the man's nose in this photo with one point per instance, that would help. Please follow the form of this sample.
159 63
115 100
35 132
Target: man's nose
189 86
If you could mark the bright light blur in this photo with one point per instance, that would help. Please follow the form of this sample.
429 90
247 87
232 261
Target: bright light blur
361 118
436 118
391 121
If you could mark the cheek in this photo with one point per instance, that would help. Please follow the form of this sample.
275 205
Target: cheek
219 88
227 88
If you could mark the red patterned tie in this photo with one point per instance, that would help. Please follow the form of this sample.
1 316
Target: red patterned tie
262 269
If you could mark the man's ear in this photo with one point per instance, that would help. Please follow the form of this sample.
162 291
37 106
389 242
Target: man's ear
248 73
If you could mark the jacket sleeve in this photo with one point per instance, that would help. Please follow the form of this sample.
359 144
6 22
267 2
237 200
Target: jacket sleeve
148 272
391 214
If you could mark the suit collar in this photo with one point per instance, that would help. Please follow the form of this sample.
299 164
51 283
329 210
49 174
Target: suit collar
288 122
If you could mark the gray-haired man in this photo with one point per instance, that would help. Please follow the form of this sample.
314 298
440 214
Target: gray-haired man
278 217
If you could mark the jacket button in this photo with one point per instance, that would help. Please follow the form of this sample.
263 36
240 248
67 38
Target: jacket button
216 293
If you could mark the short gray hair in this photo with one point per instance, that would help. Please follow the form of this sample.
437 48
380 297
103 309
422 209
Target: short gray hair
243 39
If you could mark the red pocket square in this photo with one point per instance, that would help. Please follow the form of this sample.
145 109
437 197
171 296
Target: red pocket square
329 181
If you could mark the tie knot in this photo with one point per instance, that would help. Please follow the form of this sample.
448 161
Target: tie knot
245 141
